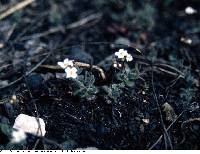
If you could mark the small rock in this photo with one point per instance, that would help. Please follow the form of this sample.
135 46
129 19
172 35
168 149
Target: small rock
145 120
18 136
168 112
79 54
35 82
30 125
34 47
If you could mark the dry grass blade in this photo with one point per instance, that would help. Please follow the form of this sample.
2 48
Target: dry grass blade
15 8
158 140
161 117
73 25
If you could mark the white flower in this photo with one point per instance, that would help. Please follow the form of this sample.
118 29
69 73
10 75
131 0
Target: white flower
71 72
189 10
30 125
121 54
18 135
66 63
129 57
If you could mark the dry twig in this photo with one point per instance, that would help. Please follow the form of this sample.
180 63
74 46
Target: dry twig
78 64
161 117
15 8
73 25
158 140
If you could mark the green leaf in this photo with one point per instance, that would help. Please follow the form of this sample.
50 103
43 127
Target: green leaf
5 129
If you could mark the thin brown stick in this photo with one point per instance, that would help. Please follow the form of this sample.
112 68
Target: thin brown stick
100 70
161 117
169 72
73 25
78 64
170 67
15 8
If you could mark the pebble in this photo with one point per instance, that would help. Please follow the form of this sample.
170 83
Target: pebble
30 125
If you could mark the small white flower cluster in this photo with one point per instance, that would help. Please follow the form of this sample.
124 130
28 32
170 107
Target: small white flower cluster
68 66
189 10
123 55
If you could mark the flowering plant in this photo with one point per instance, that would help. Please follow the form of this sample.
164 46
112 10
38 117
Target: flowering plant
83 85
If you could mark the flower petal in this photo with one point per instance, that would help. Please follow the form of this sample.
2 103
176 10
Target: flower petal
61 64
67 69
116 53
74 69
68 62
129 57
74 75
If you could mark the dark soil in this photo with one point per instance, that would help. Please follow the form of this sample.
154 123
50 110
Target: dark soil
167 92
